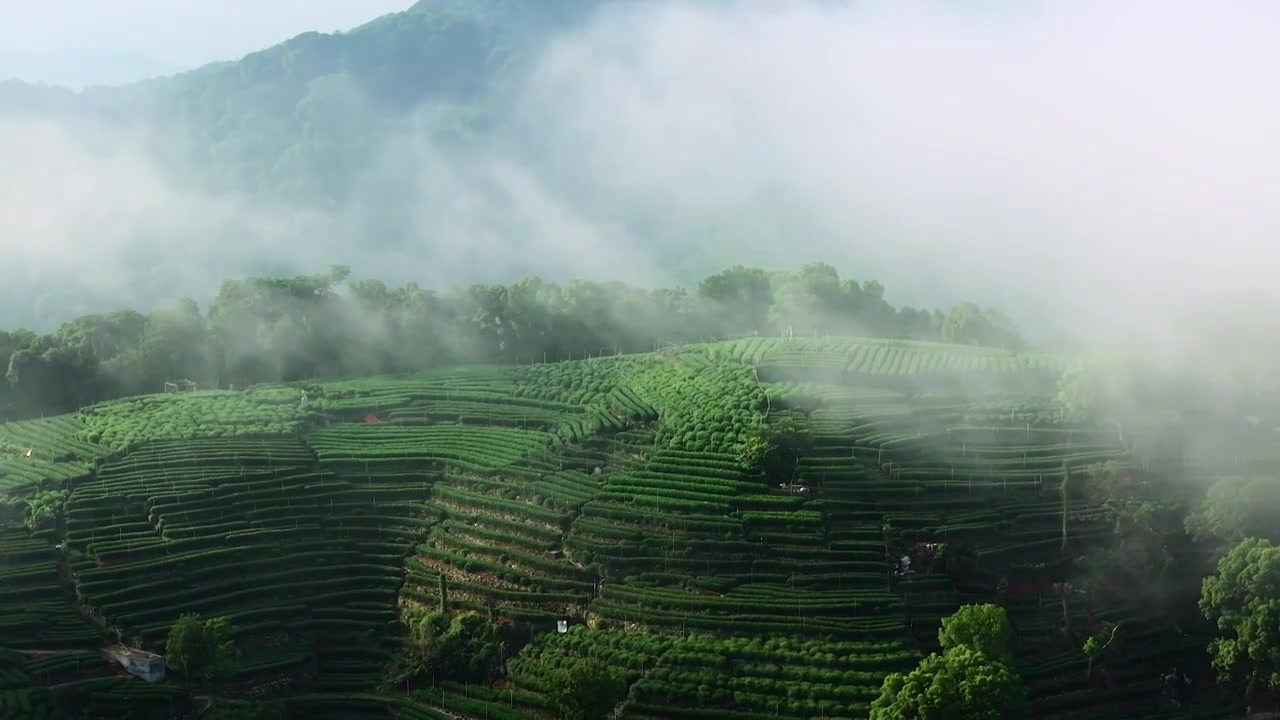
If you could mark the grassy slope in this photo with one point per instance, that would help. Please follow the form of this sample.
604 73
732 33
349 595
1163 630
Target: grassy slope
603 492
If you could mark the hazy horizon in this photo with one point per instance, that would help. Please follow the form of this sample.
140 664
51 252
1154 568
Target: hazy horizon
94 42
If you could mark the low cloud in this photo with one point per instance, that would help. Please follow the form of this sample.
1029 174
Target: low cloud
1080 164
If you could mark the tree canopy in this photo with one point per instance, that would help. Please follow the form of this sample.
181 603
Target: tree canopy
776 448
961 684
201 649
586 690
1113 392
1236 507
1243 599
984 627
327 325
973 677
466 647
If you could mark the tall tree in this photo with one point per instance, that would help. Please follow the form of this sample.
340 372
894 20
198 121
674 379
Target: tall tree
962 683
201 649
973 677
466 647
1243 599
984 627
739 298
587 690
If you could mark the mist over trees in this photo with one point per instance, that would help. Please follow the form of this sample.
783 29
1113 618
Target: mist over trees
322 141
296 134
489 140
261 330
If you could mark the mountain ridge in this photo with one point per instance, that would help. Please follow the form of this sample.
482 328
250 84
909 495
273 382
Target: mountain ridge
79 68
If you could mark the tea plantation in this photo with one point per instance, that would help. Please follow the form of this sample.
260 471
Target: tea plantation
608 493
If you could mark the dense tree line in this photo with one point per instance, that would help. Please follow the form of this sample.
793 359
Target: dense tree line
284 329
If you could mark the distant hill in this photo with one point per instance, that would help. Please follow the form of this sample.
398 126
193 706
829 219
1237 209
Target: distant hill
338 127
81 68
298 120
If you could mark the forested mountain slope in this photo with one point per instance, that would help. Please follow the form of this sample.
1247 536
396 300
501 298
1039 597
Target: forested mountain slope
302 119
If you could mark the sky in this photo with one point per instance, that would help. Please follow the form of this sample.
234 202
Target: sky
42 39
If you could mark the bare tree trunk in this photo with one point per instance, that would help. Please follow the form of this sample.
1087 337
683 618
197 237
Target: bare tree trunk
1065 593
1250 691
1066 504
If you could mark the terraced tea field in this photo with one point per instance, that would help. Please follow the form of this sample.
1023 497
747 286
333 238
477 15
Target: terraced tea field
606 493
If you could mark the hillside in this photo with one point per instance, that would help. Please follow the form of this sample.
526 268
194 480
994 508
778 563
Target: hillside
300 121
561 460
609 493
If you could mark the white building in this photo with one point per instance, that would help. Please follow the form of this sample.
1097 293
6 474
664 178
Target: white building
148 666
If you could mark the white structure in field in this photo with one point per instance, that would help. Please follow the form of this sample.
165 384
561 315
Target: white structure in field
148 666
